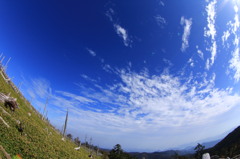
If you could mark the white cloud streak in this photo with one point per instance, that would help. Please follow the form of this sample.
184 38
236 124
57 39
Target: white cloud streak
210 31
109 13
225 36
91 52
41 89
154 97
149 102
191 62
235 61
123 34
161 3
160 21
200 53
187 23
87 78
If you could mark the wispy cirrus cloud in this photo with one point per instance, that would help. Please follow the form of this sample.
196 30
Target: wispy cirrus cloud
137 103
88 78
230 39
78 98
154 96
123 34
107 68
200 53
186 23
210 31
160 3
225 36
234 29
110 13
151 101
40 88
191 62
119 29
160 21
91 52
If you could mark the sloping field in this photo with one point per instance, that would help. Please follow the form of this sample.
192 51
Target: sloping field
24 133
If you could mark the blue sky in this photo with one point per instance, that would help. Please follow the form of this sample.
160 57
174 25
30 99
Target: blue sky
149 75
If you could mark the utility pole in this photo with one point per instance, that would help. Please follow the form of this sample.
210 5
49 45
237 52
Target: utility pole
65 125
46 115
97 149
45 108
90 146
1 62
19 85
6 65
2 58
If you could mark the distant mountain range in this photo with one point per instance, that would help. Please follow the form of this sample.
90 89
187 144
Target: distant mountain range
207 145
188 151
168 154
227 147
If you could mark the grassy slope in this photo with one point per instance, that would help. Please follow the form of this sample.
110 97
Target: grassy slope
36 141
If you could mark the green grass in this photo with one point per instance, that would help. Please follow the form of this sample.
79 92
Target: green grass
36 141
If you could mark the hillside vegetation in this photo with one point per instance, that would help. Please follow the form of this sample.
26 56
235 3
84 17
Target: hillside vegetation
229 146
38 139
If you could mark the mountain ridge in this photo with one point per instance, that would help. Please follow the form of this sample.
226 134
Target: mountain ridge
229 146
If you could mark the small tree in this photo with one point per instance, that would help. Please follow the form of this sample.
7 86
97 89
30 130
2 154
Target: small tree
69 136
77 141
199 151
176 155
104 155
116 152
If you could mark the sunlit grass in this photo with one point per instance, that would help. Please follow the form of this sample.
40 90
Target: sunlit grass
39 138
